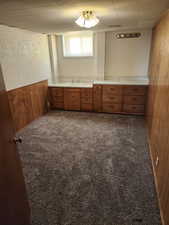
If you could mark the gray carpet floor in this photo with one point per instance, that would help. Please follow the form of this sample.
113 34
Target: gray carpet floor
88 169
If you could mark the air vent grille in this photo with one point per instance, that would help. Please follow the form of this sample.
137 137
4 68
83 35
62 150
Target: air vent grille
128 35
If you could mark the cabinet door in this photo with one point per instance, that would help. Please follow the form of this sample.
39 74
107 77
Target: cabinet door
14 206
97 98
71 99
56 97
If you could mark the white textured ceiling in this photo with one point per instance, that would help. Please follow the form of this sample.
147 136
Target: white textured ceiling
53 16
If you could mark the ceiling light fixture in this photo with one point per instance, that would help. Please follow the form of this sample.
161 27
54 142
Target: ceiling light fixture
87 19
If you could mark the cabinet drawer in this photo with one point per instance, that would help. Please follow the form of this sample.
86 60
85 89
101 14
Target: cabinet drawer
134 100
112 98
57 99
86 100
57 105
135 90
133 108
111 108
73 96
71 90
87 107
112 89
56 91
72 101
86 92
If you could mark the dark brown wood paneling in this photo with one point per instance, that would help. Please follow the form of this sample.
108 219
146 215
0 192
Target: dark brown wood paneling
38 95
28 103
158 111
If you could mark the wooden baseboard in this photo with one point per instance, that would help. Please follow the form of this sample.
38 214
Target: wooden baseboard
28 103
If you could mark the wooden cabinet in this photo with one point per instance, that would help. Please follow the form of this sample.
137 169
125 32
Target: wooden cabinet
112 98
72 98
134 99
56 97
97 98
135 90
127 99
86 99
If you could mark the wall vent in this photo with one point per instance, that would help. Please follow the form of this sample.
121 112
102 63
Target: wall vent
128 35
115 25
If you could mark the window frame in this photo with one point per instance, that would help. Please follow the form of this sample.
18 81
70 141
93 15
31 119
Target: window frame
79 56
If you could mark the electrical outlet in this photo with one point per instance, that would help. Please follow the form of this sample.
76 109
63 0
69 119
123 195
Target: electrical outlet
157 161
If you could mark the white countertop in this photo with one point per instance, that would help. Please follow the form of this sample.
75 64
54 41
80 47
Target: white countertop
70 84
106 82
123 82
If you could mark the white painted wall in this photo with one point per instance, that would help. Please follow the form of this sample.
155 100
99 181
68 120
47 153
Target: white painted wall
82 68
53 58
24 57
127 57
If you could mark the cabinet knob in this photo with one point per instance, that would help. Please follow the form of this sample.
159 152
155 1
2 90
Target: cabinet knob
17 140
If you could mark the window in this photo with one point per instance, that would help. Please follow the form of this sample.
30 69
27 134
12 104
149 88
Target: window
78 44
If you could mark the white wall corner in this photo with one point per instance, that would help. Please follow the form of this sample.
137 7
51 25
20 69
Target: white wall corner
99 39
53 58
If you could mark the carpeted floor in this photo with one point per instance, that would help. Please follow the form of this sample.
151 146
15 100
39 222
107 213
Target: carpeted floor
88 169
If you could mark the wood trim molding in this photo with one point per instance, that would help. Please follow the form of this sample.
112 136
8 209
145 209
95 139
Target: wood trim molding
28 85
28 103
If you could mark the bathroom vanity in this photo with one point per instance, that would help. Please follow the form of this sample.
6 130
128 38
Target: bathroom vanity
106 97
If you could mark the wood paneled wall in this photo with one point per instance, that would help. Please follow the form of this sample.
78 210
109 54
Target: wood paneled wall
158 112
28 103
